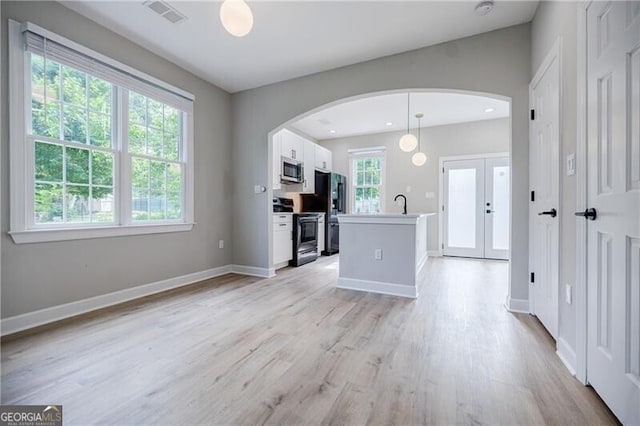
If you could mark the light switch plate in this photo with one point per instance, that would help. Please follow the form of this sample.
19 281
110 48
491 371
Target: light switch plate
571 165
408 188
377 254
567 293
429 195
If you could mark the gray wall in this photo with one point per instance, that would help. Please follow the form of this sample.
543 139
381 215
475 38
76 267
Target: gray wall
479 137
553 20
497 62
36 276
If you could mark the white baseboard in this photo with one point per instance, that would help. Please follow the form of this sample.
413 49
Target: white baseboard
378 287
253 271
517 305
56 313
434 253
567 355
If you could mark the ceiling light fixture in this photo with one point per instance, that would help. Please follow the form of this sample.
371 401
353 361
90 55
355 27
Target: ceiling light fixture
236 17
489 109
332 131
408 142
484 7
388 123
419 158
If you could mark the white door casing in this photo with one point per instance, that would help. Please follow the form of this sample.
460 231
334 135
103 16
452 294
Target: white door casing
613 189
544 95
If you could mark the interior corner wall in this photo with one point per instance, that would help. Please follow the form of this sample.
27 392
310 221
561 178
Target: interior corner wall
553 20
37 276
471 138
496 62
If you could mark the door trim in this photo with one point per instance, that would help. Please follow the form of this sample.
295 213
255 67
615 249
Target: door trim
440 207
580 285
554 54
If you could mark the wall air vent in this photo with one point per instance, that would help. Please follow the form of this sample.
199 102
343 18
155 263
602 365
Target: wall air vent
163 9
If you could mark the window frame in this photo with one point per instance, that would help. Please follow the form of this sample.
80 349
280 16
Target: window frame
362 154
22 226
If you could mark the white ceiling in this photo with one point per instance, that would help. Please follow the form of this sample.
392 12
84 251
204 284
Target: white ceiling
371 115
295 38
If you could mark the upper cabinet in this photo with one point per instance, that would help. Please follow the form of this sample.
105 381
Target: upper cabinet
292 145
309 184
323 159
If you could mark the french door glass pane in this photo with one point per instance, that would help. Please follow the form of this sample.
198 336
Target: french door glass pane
462 208
501 208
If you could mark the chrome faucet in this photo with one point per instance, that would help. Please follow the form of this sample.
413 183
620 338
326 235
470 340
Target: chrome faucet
405 202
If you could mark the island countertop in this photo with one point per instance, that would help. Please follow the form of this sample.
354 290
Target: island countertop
400 219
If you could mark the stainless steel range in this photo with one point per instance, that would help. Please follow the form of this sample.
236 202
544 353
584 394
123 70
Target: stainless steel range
305 238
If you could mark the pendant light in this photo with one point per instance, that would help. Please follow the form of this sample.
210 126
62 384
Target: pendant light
419 158
408 142
236 17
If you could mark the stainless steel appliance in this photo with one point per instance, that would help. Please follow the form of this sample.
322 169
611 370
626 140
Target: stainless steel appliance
292 171
305 238
330 199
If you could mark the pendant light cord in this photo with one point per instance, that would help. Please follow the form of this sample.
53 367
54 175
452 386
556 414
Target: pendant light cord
419 149
408 110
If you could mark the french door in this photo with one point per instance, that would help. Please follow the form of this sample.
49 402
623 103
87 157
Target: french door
476 208
613 214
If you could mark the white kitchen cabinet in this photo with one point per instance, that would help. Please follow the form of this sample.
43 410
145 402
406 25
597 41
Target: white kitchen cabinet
323 159
282 238
276 161
320 234
309 183
292 145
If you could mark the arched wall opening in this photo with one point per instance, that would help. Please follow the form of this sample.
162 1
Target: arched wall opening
320 108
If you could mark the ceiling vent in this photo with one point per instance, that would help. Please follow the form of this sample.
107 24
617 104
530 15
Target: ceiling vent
165 10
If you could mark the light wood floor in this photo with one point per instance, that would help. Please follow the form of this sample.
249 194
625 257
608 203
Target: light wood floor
294 350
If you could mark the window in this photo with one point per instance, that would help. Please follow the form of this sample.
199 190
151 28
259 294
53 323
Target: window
97 148
367 177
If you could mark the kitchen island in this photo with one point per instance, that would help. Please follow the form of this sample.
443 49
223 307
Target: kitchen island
383 253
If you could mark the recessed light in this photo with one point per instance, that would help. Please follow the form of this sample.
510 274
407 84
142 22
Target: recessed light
489 110
388 123
332 131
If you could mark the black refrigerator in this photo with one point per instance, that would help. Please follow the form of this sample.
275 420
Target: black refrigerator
329 198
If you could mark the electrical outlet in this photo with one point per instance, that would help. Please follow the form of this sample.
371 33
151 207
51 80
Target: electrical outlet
258 189
221 244
377 254
567 293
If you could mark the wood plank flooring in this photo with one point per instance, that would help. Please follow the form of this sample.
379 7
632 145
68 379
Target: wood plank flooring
295 350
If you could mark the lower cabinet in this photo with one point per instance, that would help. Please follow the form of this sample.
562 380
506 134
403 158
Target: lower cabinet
282 238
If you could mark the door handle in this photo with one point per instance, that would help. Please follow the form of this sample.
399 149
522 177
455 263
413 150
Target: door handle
588 214
552 213
490 211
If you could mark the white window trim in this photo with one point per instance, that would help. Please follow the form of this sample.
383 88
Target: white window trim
21 161
370 152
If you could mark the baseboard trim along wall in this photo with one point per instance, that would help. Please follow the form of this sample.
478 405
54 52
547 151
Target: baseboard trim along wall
567 355
434 253
56 313
378 287
520 306
253 271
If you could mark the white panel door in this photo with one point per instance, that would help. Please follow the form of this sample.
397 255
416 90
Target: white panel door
496 218
613 190
545 184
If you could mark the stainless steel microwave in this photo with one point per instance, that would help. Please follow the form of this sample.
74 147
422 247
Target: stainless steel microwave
292 171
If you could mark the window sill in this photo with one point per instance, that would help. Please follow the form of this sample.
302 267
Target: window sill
65 234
